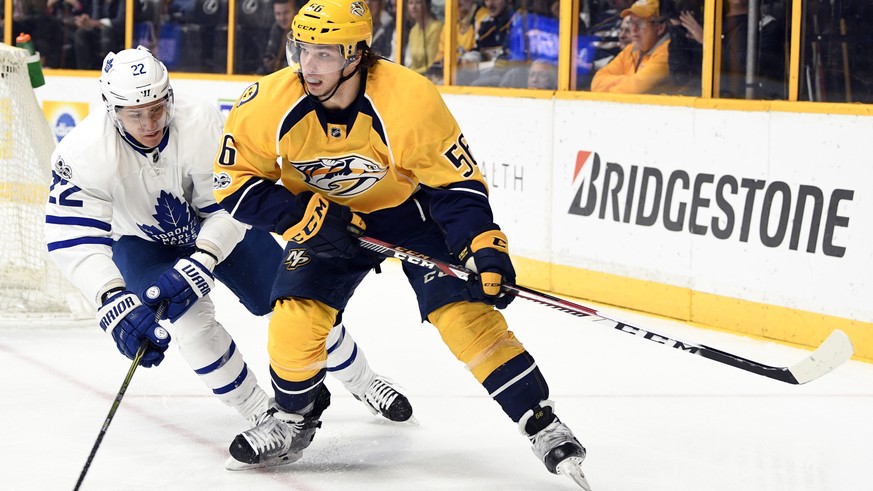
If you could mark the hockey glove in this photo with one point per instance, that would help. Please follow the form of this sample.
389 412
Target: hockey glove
488 256
129 322
327 229
180 286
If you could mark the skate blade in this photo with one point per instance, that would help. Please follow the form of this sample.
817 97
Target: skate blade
572 468
234 465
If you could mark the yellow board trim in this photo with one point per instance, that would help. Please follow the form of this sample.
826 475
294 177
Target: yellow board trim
757 320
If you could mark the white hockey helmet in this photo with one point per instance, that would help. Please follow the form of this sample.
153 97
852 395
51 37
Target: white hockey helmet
134 77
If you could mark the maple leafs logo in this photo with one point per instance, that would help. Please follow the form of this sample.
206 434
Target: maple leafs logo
177 222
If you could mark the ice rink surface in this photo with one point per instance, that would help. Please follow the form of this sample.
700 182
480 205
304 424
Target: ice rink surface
652 418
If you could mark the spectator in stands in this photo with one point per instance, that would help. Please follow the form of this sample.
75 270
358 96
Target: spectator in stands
492 37
606 27
685 58
770 79
422 45
543 74
31 17
642 66
101 31
555 8
482 65
64 14
624 33
383 29
534 33
533 38
274 54
470 15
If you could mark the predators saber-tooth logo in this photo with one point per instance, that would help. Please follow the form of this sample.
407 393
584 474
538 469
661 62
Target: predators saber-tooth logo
357 8
341 177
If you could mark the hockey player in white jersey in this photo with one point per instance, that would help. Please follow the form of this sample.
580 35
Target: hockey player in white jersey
132 221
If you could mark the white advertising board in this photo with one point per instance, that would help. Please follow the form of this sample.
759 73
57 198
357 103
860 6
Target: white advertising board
766 207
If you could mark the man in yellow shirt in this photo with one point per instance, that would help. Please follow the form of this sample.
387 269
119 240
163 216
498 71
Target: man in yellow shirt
641 67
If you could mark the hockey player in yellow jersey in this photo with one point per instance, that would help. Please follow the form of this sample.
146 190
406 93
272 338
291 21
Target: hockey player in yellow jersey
362 145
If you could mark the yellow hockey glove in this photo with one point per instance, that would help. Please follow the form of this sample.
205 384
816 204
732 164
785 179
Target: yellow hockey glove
488 255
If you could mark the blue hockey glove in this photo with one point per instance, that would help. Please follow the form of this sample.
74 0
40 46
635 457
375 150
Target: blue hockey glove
327 229
129 322
180 286
488 255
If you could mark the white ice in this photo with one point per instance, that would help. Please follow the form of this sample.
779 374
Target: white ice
652 418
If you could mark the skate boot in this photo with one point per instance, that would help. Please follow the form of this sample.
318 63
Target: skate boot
383 397
554 443
277 438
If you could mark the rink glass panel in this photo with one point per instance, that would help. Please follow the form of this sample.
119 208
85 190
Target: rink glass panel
815 49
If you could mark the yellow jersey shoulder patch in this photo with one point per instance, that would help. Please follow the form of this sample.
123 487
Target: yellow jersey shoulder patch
248 94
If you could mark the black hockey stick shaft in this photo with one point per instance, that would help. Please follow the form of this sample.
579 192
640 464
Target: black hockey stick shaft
136 359
833 352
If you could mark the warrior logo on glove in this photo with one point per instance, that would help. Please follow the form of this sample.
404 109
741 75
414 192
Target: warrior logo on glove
152 292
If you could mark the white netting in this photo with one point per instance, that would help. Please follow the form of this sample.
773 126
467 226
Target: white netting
30 285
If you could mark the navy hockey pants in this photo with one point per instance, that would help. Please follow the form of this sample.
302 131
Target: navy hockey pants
248 272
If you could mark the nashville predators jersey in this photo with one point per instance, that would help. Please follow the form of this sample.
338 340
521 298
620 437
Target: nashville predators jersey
397 137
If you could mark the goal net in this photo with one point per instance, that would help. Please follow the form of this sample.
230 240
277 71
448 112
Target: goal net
31 287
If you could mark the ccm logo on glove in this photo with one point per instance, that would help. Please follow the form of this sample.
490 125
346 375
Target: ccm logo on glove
312 220
327 229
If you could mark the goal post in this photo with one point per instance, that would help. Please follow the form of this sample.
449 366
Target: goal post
31 286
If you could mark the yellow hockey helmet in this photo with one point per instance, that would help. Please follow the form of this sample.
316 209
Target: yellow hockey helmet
342 22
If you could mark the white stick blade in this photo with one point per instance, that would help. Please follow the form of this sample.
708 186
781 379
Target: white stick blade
833 352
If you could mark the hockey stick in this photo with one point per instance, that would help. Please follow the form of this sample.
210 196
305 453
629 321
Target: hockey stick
136 359
833 352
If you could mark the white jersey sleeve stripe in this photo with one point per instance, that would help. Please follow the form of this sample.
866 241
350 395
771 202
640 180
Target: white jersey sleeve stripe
64 244
80 221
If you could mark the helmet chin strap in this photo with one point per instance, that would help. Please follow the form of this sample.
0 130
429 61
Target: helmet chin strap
336 87
139 146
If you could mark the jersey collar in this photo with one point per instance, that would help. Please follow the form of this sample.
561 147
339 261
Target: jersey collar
139 147
345 116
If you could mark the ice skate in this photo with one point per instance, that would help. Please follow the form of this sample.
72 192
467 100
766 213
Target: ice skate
383 398
553 443
277 438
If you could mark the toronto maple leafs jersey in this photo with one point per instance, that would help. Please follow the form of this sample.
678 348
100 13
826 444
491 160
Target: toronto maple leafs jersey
396 138
103 188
